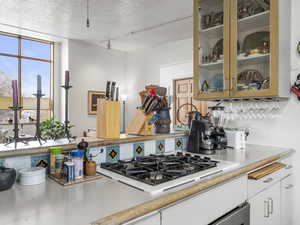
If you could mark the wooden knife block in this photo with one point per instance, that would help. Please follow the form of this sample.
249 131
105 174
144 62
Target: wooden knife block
108 119
140 124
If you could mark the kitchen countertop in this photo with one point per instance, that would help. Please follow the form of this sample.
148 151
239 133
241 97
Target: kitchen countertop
112 202
34 147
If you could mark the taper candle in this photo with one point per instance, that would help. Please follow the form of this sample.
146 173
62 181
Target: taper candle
15 92
39 84
67 78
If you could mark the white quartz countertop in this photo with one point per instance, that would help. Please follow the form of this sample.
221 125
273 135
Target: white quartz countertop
52 204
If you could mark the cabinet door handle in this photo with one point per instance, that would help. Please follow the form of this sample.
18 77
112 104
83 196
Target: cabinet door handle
289 167
266 209
271 208
269 180
290 186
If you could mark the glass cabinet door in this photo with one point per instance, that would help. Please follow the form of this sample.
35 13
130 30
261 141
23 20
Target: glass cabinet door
211 48
253 65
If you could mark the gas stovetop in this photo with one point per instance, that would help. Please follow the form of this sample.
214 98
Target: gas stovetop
156 173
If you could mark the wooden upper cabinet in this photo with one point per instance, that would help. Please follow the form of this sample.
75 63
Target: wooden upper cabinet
241 48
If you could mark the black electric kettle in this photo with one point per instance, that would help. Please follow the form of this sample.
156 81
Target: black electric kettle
7 178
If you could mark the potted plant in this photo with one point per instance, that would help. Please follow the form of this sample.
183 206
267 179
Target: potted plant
53 129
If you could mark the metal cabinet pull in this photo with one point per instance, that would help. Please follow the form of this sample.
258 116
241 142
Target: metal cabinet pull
271 209
266 209
290 186
269 180
289 167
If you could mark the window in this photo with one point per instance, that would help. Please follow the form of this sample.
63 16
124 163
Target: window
22 59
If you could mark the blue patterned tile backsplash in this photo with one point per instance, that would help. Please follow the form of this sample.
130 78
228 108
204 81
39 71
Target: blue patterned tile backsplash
179 143
139 149
2 162
160 146
113 153
40 161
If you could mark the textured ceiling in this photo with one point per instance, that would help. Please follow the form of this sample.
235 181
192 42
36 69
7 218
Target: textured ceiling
108 19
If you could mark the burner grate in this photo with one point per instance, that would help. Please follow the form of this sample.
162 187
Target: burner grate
158 169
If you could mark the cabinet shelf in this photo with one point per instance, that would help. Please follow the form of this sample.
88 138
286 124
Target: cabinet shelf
253 59
212 64
257 20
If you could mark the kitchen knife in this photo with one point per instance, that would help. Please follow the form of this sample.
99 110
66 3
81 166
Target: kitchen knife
112 90
117 94
147 98
107 90
147 106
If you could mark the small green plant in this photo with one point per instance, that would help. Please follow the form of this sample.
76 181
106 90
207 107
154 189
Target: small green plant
53 129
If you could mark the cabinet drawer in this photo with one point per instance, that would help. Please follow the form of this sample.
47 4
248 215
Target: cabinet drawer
288 170
256 186
208 206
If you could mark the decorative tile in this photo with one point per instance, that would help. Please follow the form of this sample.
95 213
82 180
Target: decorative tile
112 153
184 142
40 161
2 162
179 142
98 154
139 149
150 147
19 162
160 146
126 151
169 145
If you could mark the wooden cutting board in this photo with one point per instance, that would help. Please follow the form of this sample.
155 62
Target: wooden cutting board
258 174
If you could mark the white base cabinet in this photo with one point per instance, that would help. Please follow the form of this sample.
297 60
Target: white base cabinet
287 195
208 206
265 207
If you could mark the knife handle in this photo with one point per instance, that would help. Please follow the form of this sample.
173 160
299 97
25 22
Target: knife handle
112 91
107 90
117 94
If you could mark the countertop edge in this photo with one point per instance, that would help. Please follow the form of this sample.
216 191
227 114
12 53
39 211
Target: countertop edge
164 201
96 143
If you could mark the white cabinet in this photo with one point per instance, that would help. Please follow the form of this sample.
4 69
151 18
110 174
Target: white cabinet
287 192
208 206
265 207
153 219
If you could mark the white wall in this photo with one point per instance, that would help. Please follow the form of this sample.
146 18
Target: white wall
90 67
143 67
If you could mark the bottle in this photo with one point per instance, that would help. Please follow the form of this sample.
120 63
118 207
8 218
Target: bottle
53 152
77 159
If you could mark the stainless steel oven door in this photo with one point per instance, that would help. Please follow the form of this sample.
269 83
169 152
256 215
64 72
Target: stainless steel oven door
238 216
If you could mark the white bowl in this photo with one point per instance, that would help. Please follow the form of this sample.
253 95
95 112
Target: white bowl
32 176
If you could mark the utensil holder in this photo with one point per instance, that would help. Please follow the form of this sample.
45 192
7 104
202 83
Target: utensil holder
108 119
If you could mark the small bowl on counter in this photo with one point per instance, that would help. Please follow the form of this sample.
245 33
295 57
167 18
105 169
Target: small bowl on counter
32 176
